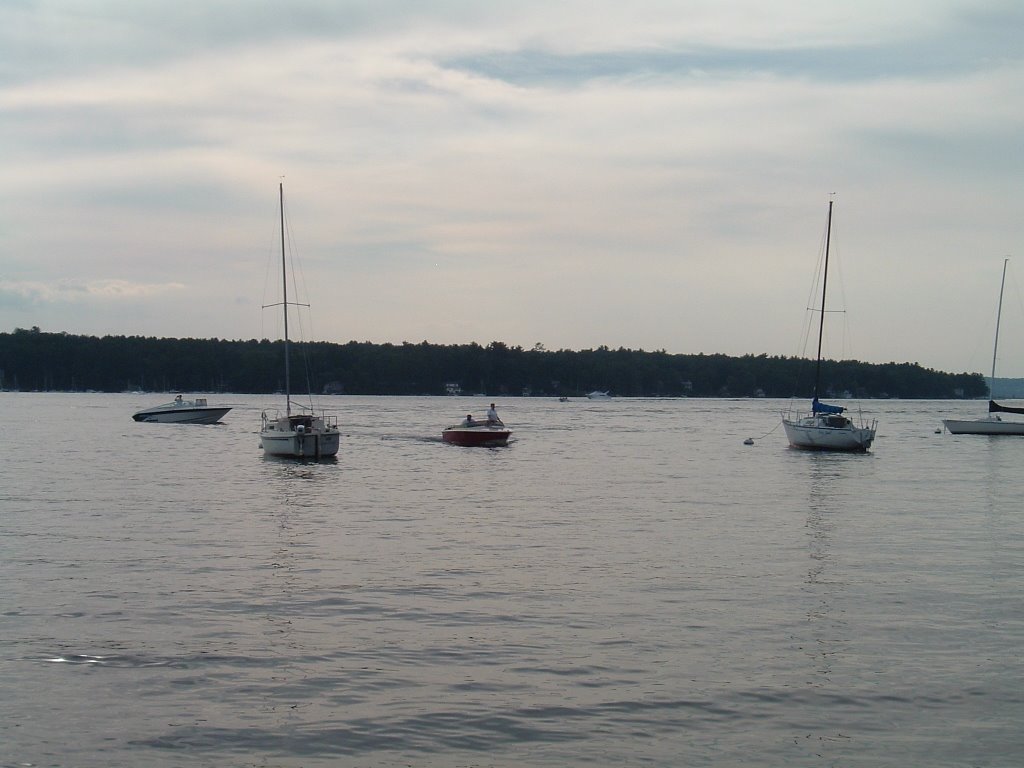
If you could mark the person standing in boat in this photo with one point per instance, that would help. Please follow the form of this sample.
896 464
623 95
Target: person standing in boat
492 416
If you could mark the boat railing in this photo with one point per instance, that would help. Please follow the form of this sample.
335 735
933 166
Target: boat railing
329 420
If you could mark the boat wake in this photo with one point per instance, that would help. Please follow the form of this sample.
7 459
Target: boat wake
413 438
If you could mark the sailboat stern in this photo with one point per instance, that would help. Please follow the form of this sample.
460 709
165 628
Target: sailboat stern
300 436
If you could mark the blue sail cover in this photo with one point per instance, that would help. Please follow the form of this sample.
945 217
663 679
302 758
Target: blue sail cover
819 407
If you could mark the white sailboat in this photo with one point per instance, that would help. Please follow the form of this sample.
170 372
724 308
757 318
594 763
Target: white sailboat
305 434
993 423
825 428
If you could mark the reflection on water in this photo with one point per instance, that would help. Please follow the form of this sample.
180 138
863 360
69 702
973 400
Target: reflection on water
628 583
827 633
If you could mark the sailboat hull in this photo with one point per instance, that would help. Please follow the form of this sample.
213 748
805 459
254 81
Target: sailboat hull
811 435
299 437
991 426
296 445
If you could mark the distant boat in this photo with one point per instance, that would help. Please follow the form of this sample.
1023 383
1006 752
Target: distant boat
598 395
301 435
991 424
183 412
825 428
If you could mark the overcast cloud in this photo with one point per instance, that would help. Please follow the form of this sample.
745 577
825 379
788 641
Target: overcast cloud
651 175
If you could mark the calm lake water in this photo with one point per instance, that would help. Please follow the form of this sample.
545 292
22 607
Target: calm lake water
626 583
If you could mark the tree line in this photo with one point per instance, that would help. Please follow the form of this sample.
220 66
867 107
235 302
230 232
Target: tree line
36 360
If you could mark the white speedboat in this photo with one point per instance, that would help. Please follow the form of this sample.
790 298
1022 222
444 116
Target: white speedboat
992 424
825 428
302 435
181 411
599 395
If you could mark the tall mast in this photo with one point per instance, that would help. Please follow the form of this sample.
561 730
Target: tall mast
284 294
824 288
995 347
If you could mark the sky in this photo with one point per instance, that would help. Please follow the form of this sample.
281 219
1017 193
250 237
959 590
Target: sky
652 175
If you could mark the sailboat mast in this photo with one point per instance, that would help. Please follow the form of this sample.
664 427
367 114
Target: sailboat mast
284 294
824 289
995 347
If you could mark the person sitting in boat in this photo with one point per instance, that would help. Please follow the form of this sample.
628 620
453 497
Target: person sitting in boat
178 400
492 416
470 421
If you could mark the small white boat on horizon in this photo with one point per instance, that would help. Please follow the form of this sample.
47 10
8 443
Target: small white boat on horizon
599 395
181 411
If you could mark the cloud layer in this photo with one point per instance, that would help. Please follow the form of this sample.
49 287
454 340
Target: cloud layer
652 175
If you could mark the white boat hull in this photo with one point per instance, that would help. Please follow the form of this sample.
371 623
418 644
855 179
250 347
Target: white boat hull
991 426
182 412
205 416
299 437
813 435
304 445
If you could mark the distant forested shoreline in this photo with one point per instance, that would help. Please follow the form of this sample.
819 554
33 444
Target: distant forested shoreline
33 360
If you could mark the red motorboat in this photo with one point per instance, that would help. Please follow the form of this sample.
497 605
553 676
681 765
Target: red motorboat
477 435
